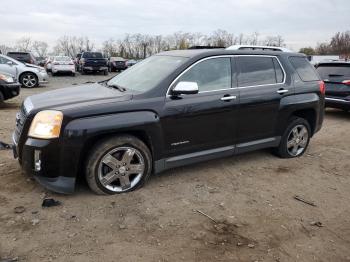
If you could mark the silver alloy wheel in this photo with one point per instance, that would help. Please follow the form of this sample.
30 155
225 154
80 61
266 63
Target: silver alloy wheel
121 169
297 140
29 80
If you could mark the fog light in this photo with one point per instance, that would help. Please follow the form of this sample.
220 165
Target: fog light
37 160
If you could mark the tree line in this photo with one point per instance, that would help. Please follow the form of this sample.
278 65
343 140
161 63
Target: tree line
339 44
139 46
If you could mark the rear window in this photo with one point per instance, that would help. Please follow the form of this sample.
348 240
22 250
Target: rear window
19 55
254 71
333 70
92 55
62 58
304 69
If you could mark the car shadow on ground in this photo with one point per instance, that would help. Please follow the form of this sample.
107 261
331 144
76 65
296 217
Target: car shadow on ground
339 114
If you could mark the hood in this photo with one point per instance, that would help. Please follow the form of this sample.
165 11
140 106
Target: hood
34 66
71 97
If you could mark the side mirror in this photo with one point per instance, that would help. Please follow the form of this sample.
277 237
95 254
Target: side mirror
185 88
10 63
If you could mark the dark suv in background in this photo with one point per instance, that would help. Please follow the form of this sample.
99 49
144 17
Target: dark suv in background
93 62
172 109
24 57
336 75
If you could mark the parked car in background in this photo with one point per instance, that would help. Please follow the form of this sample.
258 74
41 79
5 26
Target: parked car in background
28 75
93 62
117 64
48 63
171 109
258 47
62 64
131 62
9 87
336 75
24 57
76 62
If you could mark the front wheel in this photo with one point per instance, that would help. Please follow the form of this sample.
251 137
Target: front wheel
295 139
29 80
118 164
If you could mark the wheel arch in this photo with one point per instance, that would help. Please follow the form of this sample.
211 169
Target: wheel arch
25 72
86 133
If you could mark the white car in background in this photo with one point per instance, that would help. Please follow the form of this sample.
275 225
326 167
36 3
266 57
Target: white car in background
62 64
27 74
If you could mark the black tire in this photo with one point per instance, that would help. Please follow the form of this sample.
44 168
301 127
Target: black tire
83 71
295 123
105 72
73 74
95 167
53 74
29 80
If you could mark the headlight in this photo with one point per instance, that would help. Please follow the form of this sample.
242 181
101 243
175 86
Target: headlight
6 78
46 124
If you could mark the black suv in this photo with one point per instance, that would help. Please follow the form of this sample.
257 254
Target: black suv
336 76
93 62
24 57
172 109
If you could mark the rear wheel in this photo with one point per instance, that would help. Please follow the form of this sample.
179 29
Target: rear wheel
295 139
118 164
29 80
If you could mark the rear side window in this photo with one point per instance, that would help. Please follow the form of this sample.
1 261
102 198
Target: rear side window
254 71
327 71
304 69
211 74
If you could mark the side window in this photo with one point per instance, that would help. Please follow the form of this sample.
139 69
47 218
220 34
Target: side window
278 71
304 69
3 60
211 74
254 70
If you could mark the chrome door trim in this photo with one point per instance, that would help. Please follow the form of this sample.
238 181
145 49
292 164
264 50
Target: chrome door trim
232 88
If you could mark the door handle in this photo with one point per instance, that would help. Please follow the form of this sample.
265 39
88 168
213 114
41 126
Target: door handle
227 98
282 91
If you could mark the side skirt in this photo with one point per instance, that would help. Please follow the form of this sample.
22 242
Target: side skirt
187 159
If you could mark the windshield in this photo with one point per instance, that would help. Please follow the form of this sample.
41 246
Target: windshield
147 74
92 55
335 70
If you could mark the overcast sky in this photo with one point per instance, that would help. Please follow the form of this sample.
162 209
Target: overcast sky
300 22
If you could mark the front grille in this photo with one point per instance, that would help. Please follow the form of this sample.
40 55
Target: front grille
21 117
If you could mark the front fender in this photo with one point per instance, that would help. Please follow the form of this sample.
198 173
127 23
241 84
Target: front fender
79 132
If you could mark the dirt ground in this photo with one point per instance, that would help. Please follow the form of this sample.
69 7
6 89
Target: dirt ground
249 199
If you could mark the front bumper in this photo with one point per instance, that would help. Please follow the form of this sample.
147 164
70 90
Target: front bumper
95 68
10 90
337 103
43 77
42 159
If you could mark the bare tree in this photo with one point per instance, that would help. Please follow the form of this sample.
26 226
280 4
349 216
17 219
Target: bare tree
4 49
23 44
274 41
40 48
